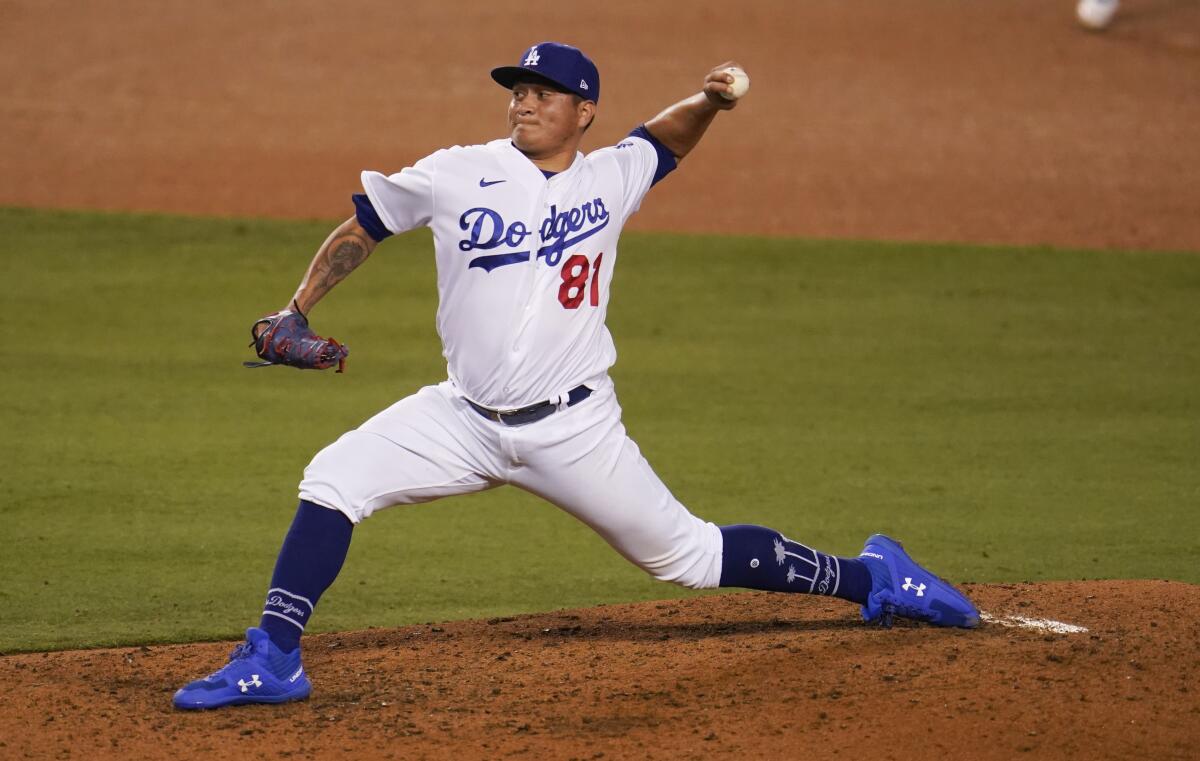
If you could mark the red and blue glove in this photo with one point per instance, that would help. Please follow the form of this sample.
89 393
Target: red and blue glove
285 339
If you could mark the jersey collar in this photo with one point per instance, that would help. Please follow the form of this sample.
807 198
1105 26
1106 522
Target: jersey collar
523 170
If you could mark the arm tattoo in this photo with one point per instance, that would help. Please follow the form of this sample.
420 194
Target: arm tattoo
342 252
346 254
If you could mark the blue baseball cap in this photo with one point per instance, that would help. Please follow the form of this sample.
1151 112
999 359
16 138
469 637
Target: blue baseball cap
561 64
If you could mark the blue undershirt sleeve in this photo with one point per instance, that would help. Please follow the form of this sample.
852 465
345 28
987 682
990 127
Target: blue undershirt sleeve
666 159
369 218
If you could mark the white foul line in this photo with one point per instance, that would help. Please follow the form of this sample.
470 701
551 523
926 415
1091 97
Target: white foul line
1041 624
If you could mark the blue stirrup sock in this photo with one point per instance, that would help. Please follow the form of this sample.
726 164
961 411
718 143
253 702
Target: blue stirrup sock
755 557
311 557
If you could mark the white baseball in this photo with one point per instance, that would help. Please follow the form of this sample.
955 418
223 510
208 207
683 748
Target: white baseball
741 83
1096 14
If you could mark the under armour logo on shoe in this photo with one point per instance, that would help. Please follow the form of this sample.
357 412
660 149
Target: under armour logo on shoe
533 57
909 585
252 683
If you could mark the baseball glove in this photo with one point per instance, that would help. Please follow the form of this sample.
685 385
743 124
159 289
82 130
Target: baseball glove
286 340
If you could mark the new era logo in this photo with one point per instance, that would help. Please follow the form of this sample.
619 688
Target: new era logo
583 84
532 58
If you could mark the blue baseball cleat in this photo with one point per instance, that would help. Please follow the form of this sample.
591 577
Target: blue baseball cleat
257 672
901 587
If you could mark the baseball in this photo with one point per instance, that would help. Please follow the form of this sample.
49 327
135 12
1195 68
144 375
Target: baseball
1096 14
741 83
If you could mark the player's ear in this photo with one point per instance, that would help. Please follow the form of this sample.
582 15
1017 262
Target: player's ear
586 111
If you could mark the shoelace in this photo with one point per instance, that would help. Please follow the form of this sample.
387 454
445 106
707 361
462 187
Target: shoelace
244 650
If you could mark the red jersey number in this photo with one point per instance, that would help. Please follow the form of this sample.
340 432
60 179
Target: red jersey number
575 272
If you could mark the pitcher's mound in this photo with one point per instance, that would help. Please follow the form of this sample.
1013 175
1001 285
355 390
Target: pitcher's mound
1092 670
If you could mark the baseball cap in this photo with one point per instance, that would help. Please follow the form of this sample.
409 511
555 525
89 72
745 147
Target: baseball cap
562 64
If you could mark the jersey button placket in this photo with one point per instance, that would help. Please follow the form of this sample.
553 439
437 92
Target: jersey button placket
520 317
531 273
531 296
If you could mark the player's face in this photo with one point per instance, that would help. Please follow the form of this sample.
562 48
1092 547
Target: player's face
544 121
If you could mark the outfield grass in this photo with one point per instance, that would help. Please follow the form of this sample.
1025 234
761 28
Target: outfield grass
1014 414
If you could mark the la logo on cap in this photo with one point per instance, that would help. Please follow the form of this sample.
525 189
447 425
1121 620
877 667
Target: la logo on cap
532 58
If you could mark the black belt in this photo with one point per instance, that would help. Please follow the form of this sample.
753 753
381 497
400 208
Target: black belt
533 412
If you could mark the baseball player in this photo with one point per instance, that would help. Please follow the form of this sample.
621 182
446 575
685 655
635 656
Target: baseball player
526 231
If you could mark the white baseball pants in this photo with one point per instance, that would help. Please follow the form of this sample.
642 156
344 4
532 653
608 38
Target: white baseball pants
433 444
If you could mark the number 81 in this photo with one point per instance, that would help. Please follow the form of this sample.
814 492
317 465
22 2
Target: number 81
575 276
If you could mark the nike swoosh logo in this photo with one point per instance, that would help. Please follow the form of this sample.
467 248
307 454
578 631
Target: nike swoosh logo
486 183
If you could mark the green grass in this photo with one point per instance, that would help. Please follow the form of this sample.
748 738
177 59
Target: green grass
1012 413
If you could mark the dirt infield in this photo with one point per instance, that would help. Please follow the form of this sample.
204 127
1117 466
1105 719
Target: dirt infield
739 676
926 120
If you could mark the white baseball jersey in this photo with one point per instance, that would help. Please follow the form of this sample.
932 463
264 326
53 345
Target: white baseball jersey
524 262
524 266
